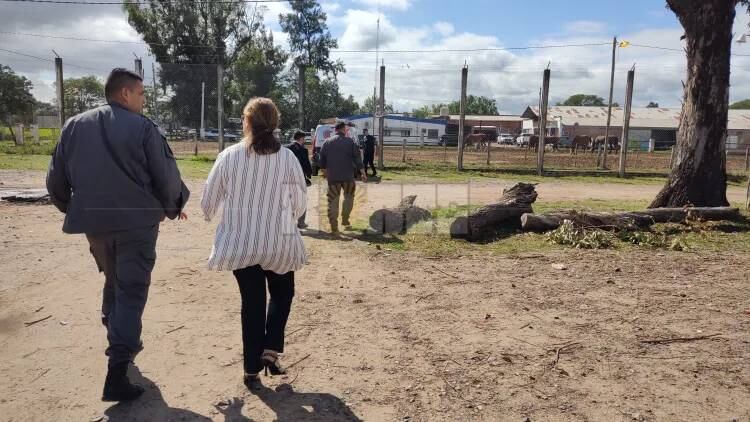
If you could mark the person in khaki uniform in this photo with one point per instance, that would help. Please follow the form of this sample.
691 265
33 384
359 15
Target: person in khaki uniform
338 157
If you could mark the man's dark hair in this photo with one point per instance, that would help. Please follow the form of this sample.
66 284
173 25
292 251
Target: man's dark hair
298 134
118 79
364 130
340 125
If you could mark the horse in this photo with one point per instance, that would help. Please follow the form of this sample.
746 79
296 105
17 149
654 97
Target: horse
579 142
613 143
548 140
479 138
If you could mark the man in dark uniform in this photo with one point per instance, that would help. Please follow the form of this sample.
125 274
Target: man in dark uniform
369 151
338 157
299 150
115 178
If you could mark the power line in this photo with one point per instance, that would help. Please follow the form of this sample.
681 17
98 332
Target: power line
56 37
26 55
462 50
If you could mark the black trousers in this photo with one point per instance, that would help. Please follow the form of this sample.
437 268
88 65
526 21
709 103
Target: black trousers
126 258
260 330
369 158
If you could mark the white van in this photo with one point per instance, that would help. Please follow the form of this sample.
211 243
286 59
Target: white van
321 134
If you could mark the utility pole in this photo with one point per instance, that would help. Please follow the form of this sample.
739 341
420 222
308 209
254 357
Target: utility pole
220 76
301 89
60 90
381 119
626 121
542 124
203 110
155 112
609 108
138 65
462 118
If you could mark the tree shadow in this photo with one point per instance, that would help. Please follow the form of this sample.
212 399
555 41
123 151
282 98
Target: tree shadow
291 406
150 406
321 235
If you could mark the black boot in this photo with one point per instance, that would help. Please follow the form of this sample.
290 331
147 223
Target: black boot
117 386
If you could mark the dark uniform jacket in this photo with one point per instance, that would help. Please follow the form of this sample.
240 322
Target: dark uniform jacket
112 170
303 157
339 156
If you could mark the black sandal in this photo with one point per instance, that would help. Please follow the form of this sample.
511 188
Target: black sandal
271 363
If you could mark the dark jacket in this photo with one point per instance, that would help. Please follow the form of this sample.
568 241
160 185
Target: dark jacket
112 170
303 157
369 145
340 156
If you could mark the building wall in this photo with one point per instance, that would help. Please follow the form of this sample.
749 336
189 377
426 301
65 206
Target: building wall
415 132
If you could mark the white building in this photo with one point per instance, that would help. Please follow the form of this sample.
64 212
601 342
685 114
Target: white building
398 128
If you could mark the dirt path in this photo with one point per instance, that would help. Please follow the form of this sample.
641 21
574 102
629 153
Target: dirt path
381 335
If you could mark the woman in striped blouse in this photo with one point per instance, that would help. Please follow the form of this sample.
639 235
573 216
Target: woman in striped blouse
262 190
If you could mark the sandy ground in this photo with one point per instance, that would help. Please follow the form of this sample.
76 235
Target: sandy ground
382 335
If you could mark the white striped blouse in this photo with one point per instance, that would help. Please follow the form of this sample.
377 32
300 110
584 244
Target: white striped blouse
262 197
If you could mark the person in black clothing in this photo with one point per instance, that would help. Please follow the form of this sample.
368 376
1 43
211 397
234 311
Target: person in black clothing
369 151
299 150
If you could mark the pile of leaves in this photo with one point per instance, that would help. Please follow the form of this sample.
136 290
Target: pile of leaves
570 235
594 238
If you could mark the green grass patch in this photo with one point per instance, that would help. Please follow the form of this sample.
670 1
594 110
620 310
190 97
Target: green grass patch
24 162
28 148
442 172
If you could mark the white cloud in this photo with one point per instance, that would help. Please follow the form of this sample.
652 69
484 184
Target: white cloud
585 27
444 28
330 7
387 4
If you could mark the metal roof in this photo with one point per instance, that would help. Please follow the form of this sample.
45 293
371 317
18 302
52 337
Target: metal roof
640 117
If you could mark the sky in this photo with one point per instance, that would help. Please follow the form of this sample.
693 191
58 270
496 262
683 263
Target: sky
422 76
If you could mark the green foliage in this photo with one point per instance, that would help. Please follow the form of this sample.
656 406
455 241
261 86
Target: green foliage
16 101
43 148
82 94
189 39
422 112
740 105
583 100
310 41
256 71
323 92
475 104
568 234
652 104
369 107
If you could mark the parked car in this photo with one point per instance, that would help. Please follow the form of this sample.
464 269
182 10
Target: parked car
505 139
213 135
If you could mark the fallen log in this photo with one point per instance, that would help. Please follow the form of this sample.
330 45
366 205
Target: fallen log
630 221
400 218
37 196
506 214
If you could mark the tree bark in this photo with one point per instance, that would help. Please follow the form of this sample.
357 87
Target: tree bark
631 221
400 218
506 214
698 177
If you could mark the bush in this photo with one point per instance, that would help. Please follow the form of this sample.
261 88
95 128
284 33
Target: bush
568 234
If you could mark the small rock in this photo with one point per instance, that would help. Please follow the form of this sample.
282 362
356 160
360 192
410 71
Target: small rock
618 270
318 297
358 301
63 322
378 247
561 267
413 286
488 316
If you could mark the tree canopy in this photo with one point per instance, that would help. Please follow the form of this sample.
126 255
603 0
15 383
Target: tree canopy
82 94
475 104
583 100
16 100
741 105
310 41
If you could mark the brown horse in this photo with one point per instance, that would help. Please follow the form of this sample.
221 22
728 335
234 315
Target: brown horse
613 143
548 140
479 140
579 142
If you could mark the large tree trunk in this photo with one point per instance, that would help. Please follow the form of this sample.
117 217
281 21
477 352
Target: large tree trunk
506 214
698 177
